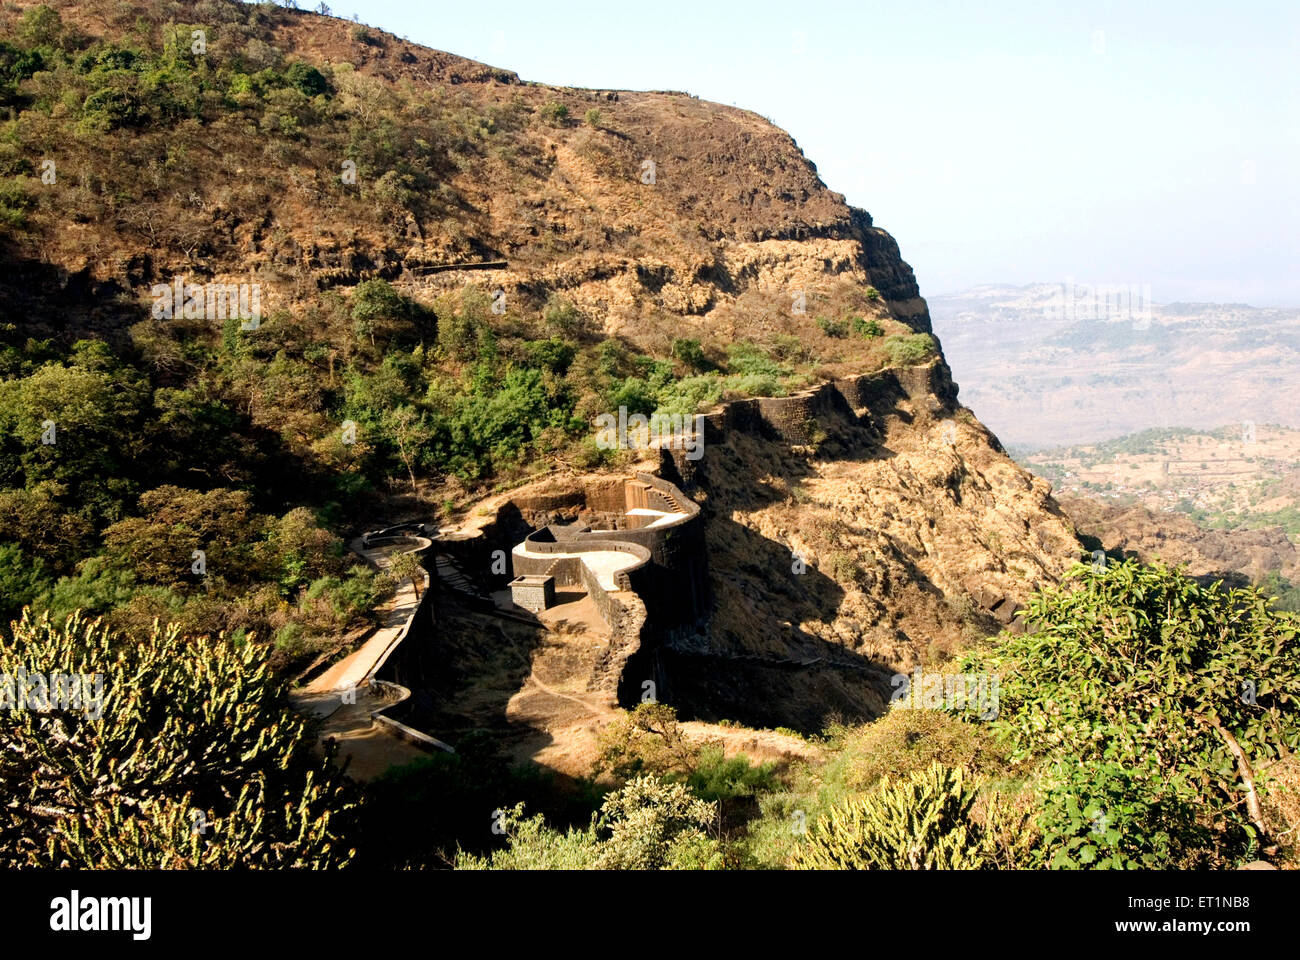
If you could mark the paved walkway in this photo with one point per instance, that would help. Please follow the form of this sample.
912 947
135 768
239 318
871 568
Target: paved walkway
363 663
370 748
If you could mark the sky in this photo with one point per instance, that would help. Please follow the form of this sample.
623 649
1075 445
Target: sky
1134 143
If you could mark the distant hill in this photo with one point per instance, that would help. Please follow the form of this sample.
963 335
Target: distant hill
1045 367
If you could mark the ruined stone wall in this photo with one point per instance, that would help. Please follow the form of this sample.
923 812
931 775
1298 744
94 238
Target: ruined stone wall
627 619
794 418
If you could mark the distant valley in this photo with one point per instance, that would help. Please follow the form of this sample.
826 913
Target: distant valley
1043 376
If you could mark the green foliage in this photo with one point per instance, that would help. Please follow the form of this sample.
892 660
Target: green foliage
377 300
554 113
1104 816
1287 594
1140 669
748 359
689 395
535 846
553 354
903 742
907 349
920 823
593 117
94 415
40 26
690 352
175 727
463 327
648 824
836 329
22 578
867 328
655 825
14 204
562 316
716 777
306 79
646 740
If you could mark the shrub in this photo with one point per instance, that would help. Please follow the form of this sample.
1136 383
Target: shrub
14 204
648 824
306 79
787 347
561 316
716 777
748 359
690 394
553 354
867 328
836 329
555 113
593 117
690 353
908 349
532 845
654 825
921 823
845 568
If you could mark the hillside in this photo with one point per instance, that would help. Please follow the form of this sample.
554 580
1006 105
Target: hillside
307 337
458 270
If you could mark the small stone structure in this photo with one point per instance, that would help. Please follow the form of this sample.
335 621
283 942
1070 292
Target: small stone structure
533 592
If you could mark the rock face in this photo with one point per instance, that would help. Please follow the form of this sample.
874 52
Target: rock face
897 538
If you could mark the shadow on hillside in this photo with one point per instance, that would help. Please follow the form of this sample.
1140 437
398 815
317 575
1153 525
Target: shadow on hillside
776 673
804 683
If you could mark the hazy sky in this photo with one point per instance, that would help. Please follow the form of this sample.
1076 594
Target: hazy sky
1112 143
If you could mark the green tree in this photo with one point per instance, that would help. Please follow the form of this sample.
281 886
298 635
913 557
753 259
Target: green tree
158 546
40 26
1188 690
177 733
76 427
646 740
